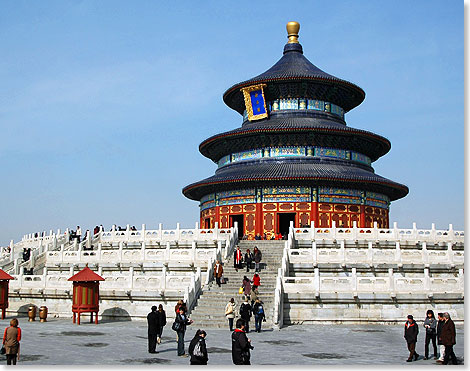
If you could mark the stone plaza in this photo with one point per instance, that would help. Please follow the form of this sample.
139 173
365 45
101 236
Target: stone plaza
59 342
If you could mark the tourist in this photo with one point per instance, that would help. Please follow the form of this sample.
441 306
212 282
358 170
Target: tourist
257 256
246 285
254 294
245 314
161 323
230 313
248 259
430 326
218 270
178 305
153 325
11 342
258 311
182 320
197 349
237 259
241 345
448 339
442 347
256 280
411 336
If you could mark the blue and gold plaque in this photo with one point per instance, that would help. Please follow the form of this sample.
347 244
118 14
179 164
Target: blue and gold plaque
254 102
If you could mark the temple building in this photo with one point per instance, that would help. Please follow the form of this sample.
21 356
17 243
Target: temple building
294 158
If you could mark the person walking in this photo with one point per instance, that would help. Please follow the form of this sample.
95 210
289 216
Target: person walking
258 311
218 271
257 256
248 259
153 325
256 280
246 285
182 321
178 305
442 347
241 345
237 259
411 336
430 324
11 342
448 339
161 322
197 349
230 313
245 314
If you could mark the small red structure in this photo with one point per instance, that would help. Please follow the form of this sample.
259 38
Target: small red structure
4 282
86 293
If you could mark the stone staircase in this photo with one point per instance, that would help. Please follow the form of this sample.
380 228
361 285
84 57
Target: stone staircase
210 307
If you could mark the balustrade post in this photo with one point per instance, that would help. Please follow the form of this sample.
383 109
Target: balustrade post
354 230
450 254
51 232
316 282
15 266
178 231
424 253
163 286
167 251
131 277
427 281
72 266
461 281
391 282
354 282
120 250
342 253
370 253
333 230
314 254
312 230
415 231
395 230
398 254
58 231
433 231
142 232
100 270
80 246
193 252
216 230
160 231
54 242
44 275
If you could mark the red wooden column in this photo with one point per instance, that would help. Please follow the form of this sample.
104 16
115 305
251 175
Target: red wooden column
4 282
86 294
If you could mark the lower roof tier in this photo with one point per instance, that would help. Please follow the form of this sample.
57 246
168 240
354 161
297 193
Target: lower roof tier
308 173
291 131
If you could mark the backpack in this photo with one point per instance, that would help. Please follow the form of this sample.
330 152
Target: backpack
260 309
245 310
197 352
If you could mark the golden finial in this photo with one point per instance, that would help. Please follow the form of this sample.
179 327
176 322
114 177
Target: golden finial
293 32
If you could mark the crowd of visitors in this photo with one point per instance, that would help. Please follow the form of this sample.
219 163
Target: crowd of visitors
258 237
442 329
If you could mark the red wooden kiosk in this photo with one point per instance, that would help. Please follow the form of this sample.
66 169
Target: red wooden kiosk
4 282
86 293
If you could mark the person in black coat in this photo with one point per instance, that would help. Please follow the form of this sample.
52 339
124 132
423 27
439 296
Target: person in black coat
198 350
183 321
241 345
411 336
153 325
442 347
246 313
248 259
161 323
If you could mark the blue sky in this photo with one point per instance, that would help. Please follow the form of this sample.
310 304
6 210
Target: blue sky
103 103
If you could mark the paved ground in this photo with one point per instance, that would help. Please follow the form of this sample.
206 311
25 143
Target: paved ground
59 342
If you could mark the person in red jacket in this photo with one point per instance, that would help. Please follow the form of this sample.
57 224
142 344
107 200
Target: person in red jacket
256 280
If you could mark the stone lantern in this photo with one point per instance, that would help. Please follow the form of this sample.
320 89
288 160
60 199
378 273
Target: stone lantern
4 282
86 295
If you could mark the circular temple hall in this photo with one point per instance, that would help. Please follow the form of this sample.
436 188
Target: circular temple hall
294 159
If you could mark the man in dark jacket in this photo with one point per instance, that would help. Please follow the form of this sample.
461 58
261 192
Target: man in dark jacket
241 345
442 347
245 314
411 336
258 311
198 350
448 339
153 325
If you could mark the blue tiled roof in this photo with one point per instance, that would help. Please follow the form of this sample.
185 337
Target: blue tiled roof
310 171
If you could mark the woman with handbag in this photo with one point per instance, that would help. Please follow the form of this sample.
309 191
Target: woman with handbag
11 342
181 321
230 313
